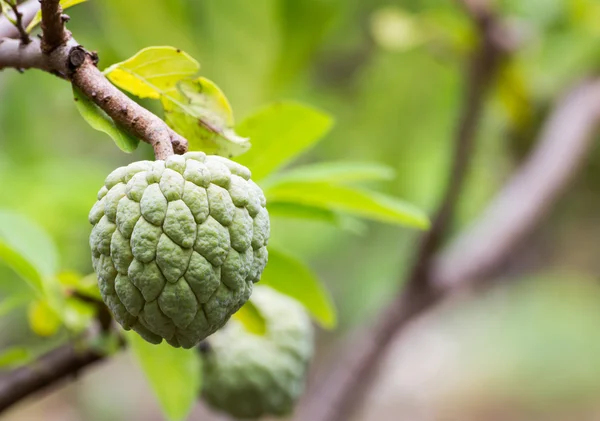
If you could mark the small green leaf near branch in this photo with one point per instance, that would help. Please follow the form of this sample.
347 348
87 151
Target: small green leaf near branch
194 106
290 276
100 121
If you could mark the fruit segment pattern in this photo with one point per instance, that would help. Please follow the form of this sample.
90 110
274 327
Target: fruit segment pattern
178 244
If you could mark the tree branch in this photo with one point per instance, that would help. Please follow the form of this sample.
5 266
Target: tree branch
59 364
342 391
18 22
528 196
71 61
53 26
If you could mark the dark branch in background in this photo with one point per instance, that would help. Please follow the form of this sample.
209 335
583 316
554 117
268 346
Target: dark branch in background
60 54
59 364
528 196
341 391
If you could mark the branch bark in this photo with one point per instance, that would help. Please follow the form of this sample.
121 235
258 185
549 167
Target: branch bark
53 26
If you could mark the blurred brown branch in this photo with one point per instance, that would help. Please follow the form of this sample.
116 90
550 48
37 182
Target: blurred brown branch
527 197
60 54
515 212
60 364
335 398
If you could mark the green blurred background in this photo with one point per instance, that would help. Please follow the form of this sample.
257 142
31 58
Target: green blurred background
392 75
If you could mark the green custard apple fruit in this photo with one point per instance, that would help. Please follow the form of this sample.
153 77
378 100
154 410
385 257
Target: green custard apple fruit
249 375
178 244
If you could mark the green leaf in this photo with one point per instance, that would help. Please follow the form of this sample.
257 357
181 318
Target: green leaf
153 71
290 276
252 319
334 173
28 250
300 211
354 201
100 121
279 133
14 357
200 112
173 373
43 319
65 5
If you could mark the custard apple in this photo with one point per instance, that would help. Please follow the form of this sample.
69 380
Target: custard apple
178 244
249 375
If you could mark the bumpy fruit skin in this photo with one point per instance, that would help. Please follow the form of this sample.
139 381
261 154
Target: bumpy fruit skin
178 244
249 375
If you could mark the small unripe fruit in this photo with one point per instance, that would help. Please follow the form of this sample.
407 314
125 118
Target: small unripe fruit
178 244
249 375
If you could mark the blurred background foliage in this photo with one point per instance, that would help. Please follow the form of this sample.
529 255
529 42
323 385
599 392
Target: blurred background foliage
391 73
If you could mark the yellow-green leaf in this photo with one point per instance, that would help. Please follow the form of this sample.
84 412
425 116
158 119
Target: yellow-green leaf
173 373
290 276
43 319
251 318
363 203
279 133
100 121
65 4
153 71
200 112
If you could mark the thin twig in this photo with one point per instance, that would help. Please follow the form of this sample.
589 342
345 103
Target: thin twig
19 24
28 10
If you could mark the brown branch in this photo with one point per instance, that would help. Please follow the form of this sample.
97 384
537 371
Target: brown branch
336 398
19 23
27 10
59 364
71 61
528 196
53 26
